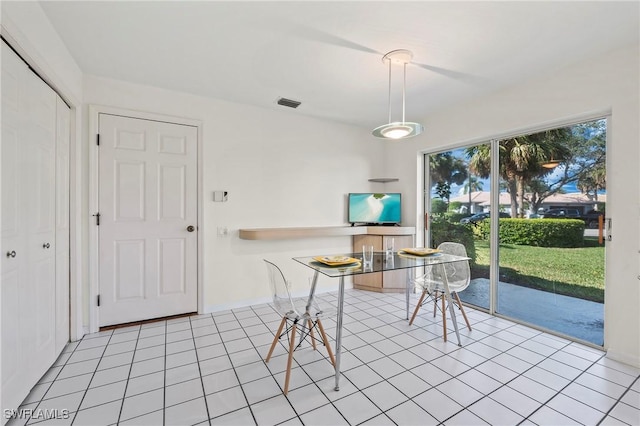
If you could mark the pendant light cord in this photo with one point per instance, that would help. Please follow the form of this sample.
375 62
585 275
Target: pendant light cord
389 90
404 85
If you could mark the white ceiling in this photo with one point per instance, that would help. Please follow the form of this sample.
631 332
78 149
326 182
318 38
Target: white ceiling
328 54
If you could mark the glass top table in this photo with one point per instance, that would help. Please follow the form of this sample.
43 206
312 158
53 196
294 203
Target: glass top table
381 262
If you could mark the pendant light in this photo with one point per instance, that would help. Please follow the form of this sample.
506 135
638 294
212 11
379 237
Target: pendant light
551 164
398 129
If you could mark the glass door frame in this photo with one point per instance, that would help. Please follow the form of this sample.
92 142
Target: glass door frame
494 181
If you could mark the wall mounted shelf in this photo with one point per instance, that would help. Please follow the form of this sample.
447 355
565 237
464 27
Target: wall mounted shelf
384 180
324 231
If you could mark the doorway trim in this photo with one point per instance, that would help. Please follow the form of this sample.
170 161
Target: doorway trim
94 113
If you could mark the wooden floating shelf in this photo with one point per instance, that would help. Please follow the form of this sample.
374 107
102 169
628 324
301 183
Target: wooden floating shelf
322 231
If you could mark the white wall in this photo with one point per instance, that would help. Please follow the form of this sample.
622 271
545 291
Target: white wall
609 82
280 169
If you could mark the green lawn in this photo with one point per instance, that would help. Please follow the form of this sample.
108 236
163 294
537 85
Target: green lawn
577 272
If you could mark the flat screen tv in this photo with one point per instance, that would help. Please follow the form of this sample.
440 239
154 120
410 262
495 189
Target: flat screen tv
375 208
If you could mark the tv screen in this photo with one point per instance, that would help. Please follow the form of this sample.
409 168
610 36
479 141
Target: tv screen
374 207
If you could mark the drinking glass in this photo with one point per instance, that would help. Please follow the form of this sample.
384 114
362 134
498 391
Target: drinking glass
367 256
388 249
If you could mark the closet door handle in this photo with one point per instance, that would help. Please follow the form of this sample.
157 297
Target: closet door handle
11 253
46 245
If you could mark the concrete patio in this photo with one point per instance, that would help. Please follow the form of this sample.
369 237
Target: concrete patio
582 319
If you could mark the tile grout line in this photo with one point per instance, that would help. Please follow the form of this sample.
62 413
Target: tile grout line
360 306
124 395
546 357
301 368
164 383
233 368
486 360
619 401
195 350
92 376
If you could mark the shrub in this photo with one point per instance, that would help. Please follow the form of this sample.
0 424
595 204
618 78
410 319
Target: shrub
443 230
454 206
455 217
537 232
438 206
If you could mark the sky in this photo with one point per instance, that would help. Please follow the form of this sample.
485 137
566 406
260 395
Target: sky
457 190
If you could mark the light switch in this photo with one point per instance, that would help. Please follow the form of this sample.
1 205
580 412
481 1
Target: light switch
220 196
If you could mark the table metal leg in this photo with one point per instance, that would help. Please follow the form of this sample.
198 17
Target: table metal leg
447 293
339 330
407 289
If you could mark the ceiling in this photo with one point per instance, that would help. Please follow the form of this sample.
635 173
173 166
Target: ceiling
328 55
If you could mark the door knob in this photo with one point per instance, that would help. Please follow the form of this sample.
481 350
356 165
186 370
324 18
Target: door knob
11 253
191 228
46 245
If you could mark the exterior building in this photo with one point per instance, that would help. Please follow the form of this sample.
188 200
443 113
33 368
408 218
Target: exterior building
481 200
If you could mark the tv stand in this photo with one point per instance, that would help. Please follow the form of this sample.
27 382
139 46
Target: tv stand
376 236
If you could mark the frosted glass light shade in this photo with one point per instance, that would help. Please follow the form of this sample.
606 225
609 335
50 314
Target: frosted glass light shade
398 130
551 164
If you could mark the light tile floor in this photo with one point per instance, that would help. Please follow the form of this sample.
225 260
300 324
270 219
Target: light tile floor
210 369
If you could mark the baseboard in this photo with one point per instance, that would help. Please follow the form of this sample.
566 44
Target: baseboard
262 300
81 331
236 305
625 358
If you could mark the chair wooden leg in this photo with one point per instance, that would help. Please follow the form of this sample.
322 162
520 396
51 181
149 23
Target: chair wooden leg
462 310
292 345
275 339
444 316
313 339
424 292
326 344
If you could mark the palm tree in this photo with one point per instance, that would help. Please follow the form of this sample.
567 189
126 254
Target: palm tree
445 169
521 160
594 180
473 184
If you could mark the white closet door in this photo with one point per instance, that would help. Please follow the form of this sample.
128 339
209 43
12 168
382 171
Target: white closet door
148 219
39 310
16 344
63 116
41 178
28 228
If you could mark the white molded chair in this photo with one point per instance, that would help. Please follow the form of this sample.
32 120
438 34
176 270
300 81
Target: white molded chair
431 283
297 313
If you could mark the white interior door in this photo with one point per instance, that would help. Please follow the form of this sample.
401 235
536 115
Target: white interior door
41 212
15 344
148 219
28 228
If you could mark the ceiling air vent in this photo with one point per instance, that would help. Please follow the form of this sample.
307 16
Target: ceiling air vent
288 103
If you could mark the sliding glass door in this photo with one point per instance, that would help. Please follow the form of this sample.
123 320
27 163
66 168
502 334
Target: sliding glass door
536 236
458 205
